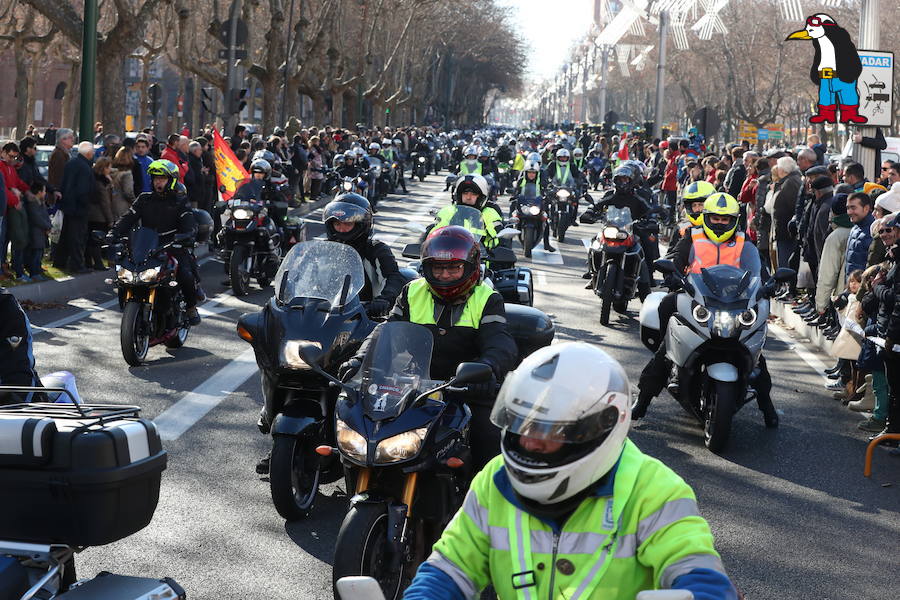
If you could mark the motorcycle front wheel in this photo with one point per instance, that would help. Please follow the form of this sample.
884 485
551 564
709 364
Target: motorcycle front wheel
180 338
562 226
606 293
529 239
362 548
720 407
134 336
293 477
239 271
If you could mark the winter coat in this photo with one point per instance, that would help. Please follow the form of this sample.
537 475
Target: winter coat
38 222
17 226
886 321
77 187
56 167
29 173
194 181
734 179
180 160
821 224
122 192
762 220
787 190
100 208
670 183
858 245
832 275
13 182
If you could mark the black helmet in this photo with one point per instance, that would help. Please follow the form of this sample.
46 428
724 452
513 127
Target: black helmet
623 179
472 183
348 208
204 225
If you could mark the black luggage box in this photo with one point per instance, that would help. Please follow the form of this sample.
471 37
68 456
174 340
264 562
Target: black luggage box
82 475
531 328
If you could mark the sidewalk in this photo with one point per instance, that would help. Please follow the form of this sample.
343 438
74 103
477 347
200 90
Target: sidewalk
801 329
61 290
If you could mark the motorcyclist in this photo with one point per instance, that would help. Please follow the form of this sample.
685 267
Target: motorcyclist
596 164
578 162
716 242
472 190
261 189
530 185
348 167
572 508
562 173
693 198
166 210
422 148
392 155
506 151
488 168
16 353
468 321
470 164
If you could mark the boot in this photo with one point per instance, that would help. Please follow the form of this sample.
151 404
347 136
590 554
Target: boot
262 467
827 114
770 415
193 316
639 410
867 403
849 114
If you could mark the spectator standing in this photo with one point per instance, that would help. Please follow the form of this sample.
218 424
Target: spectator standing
669 185
38 228
100 213
786 191
122 178
211 194
299 159
77 196
815 144
142 160
193 180
174 154
65 140
315 162
832 264
859 208
820 226
28 169
734 179
16 222
50 136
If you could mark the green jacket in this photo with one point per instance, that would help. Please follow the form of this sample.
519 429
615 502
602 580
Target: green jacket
490 217
641 536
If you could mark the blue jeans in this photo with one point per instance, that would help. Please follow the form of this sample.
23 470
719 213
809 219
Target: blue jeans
784 249
834 91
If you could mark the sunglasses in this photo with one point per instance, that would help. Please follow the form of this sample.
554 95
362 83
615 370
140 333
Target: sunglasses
817 22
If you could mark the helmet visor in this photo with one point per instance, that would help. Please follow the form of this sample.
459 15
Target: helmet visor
345 212
448 248
532 421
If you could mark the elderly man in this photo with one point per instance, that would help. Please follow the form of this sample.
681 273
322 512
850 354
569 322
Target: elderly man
65 139
77 193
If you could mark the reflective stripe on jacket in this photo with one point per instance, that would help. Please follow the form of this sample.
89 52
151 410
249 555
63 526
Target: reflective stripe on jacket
706 253
489 217
639 533
422 306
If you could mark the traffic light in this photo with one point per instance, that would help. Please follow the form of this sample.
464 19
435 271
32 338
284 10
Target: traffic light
153 97
236 100
206 99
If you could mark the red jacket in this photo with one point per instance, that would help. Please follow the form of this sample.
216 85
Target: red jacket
670 179
173 155
13 181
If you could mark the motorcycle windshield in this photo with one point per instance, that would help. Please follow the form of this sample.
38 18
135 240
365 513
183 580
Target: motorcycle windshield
143 241
469 218
618 217
396 364
322 270
725 286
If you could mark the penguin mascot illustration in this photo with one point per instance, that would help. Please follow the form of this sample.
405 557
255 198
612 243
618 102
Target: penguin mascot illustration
835 69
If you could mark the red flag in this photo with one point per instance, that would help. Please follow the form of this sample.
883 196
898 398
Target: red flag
230 173
623 147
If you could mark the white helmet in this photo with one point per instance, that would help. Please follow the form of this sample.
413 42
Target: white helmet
574 396
470 151
535 157
578 152
532 165
359 151
562 153
375 146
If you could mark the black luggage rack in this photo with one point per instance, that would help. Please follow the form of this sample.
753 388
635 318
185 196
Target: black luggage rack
97 413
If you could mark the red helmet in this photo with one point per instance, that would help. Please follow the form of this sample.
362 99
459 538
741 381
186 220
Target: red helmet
448 245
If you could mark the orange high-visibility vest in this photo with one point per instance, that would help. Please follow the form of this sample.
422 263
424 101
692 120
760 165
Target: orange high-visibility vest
707 253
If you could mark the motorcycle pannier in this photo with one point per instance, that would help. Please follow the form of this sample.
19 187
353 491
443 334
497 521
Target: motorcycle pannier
531 328
82 475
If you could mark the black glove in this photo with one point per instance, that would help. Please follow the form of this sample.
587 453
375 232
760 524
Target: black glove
671 281
793 227
350 368
377 308
482 391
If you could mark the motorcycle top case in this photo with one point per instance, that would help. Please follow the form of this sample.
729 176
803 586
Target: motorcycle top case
83 475
531 328
107 586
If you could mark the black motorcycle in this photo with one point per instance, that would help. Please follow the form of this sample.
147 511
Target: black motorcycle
531 220
316 306
153 307
615 259
563 203
419 165
251 244
404 444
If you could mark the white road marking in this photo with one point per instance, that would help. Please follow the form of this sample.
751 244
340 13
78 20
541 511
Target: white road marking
541 278
86 311
182 415
808 357
387 238
548 258
587 242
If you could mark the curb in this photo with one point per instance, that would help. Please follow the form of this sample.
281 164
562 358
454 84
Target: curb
79 285
800 327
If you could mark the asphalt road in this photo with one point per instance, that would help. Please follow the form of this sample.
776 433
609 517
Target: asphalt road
792 514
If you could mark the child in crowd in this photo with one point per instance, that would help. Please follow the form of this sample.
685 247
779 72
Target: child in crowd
38 228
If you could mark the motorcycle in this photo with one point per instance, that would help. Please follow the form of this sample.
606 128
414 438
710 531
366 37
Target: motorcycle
153 307
316 303
419 165
531 220
251 244
404 446
714 340
111 491
563 203
503 176
615 258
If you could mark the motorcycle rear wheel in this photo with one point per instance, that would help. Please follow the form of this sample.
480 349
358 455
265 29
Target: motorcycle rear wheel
362 548
133 337
721 396
179 339
240 276
293 477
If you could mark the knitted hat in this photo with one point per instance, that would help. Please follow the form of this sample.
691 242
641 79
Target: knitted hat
890 200
822 182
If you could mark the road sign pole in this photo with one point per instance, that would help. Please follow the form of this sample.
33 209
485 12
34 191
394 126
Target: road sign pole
604 67
231 117
88 71
870 38
660 74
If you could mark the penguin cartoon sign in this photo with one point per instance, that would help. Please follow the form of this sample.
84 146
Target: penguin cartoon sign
835 69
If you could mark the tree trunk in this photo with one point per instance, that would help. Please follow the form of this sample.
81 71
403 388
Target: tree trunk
337 109
21 88
194 122
271 102
318 109
377 113
111 81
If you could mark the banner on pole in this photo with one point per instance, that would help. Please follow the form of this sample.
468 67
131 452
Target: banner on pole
230 173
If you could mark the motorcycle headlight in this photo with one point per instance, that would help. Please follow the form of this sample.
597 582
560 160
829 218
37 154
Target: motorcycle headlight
401 446
534 210
148 275
595 244
264 212
125 275
242 214
347 185
421 159
700 313
350 442
290 355
611 233
501 170
747 318
563 193
723 324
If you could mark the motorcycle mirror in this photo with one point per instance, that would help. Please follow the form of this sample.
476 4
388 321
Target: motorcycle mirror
412 251
309 352
508 233
664 265
415 227
359 588
784 274
471 372
433 212
183 237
